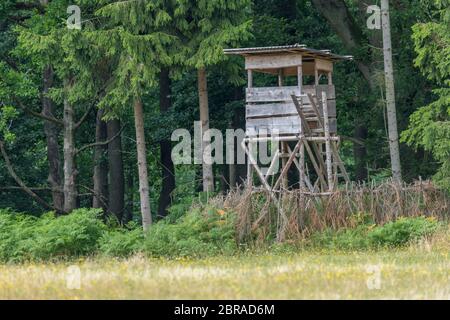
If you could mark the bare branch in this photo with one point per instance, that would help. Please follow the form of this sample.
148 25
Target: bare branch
20 181
85 115
7 188
37 114
92 192
341 20
102 143
96 100
354 140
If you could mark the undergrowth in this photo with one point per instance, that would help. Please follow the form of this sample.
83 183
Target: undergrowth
370 236
201 230
24 237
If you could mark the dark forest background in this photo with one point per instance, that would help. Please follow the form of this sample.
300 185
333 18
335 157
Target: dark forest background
33 83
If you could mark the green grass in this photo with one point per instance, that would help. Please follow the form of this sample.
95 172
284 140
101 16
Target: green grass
197 258
416 272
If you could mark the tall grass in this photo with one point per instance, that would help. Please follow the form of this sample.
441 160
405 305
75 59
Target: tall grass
354 217
297 215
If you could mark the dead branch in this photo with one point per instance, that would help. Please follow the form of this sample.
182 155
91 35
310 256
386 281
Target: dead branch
85 115
20 181
102 143
37 114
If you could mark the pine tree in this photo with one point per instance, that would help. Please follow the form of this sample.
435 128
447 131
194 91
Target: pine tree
45 40
214 25
429 126
136 37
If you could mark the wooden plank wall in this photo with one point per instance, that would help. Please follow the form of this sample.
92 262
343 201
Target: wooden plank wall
271 108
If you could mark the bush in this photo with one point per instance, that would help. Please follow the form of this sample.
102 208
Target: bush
16 230
402 231
344 239
122 242
365 236
75 234
200 232
177 210
28 238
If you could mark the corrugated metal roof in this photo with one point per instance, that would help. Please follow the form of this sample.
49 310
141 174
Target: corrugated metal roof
301 48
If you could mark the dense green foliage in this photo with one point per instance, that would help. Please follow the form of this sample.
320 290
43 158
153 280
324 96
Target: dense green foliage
121 242
370 236
118 56
430 125
202 231
23 237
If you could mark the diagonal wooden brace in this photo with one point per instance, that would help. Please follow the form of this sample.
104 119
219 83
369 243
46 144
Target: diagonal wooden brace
288 164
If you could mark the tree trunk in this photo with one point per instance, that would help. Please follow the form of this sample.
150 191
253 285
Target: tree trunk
232 176
340 19
51 131
237 172
70 172
100 178
167 166
360 153
116 203
130 197
390 92
208 179
142 164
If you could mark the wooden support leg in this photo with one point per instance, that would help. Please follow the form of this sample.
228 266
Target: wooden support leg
314 163
254 164
273 163
341 166
249 164
287 165
327 143
303 170
301 167
284 151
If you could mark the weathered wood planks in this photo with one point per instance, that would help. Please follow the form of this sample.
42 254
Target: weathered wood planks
273 61
271 109
285 109
279 94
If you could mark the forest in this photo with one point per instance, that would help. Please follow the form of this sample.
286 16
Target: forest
91 92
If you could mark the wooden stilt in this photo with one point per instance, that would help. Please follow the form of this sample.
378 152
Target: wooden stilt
301 167
327 142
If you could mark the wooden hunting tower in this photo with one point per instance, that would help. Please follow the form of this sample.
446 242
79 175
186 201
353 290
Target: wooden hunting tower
302 113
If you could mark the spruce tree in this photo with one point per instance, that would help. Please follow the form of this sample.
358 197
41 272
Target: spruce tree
49 45
136 37
214 25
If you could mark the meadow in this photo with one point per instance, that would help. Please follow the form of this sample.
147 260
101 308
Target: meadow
225 250
420 271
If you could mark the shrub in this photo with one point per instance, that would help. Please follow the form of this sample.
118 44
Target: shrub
28 238
177 210
75 234
122 242
366 236
344 239
200 232
15 231
402 231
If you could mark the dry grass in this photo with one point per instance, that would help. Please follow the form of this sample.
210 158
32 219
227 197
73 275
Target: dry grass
421 271
297 215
